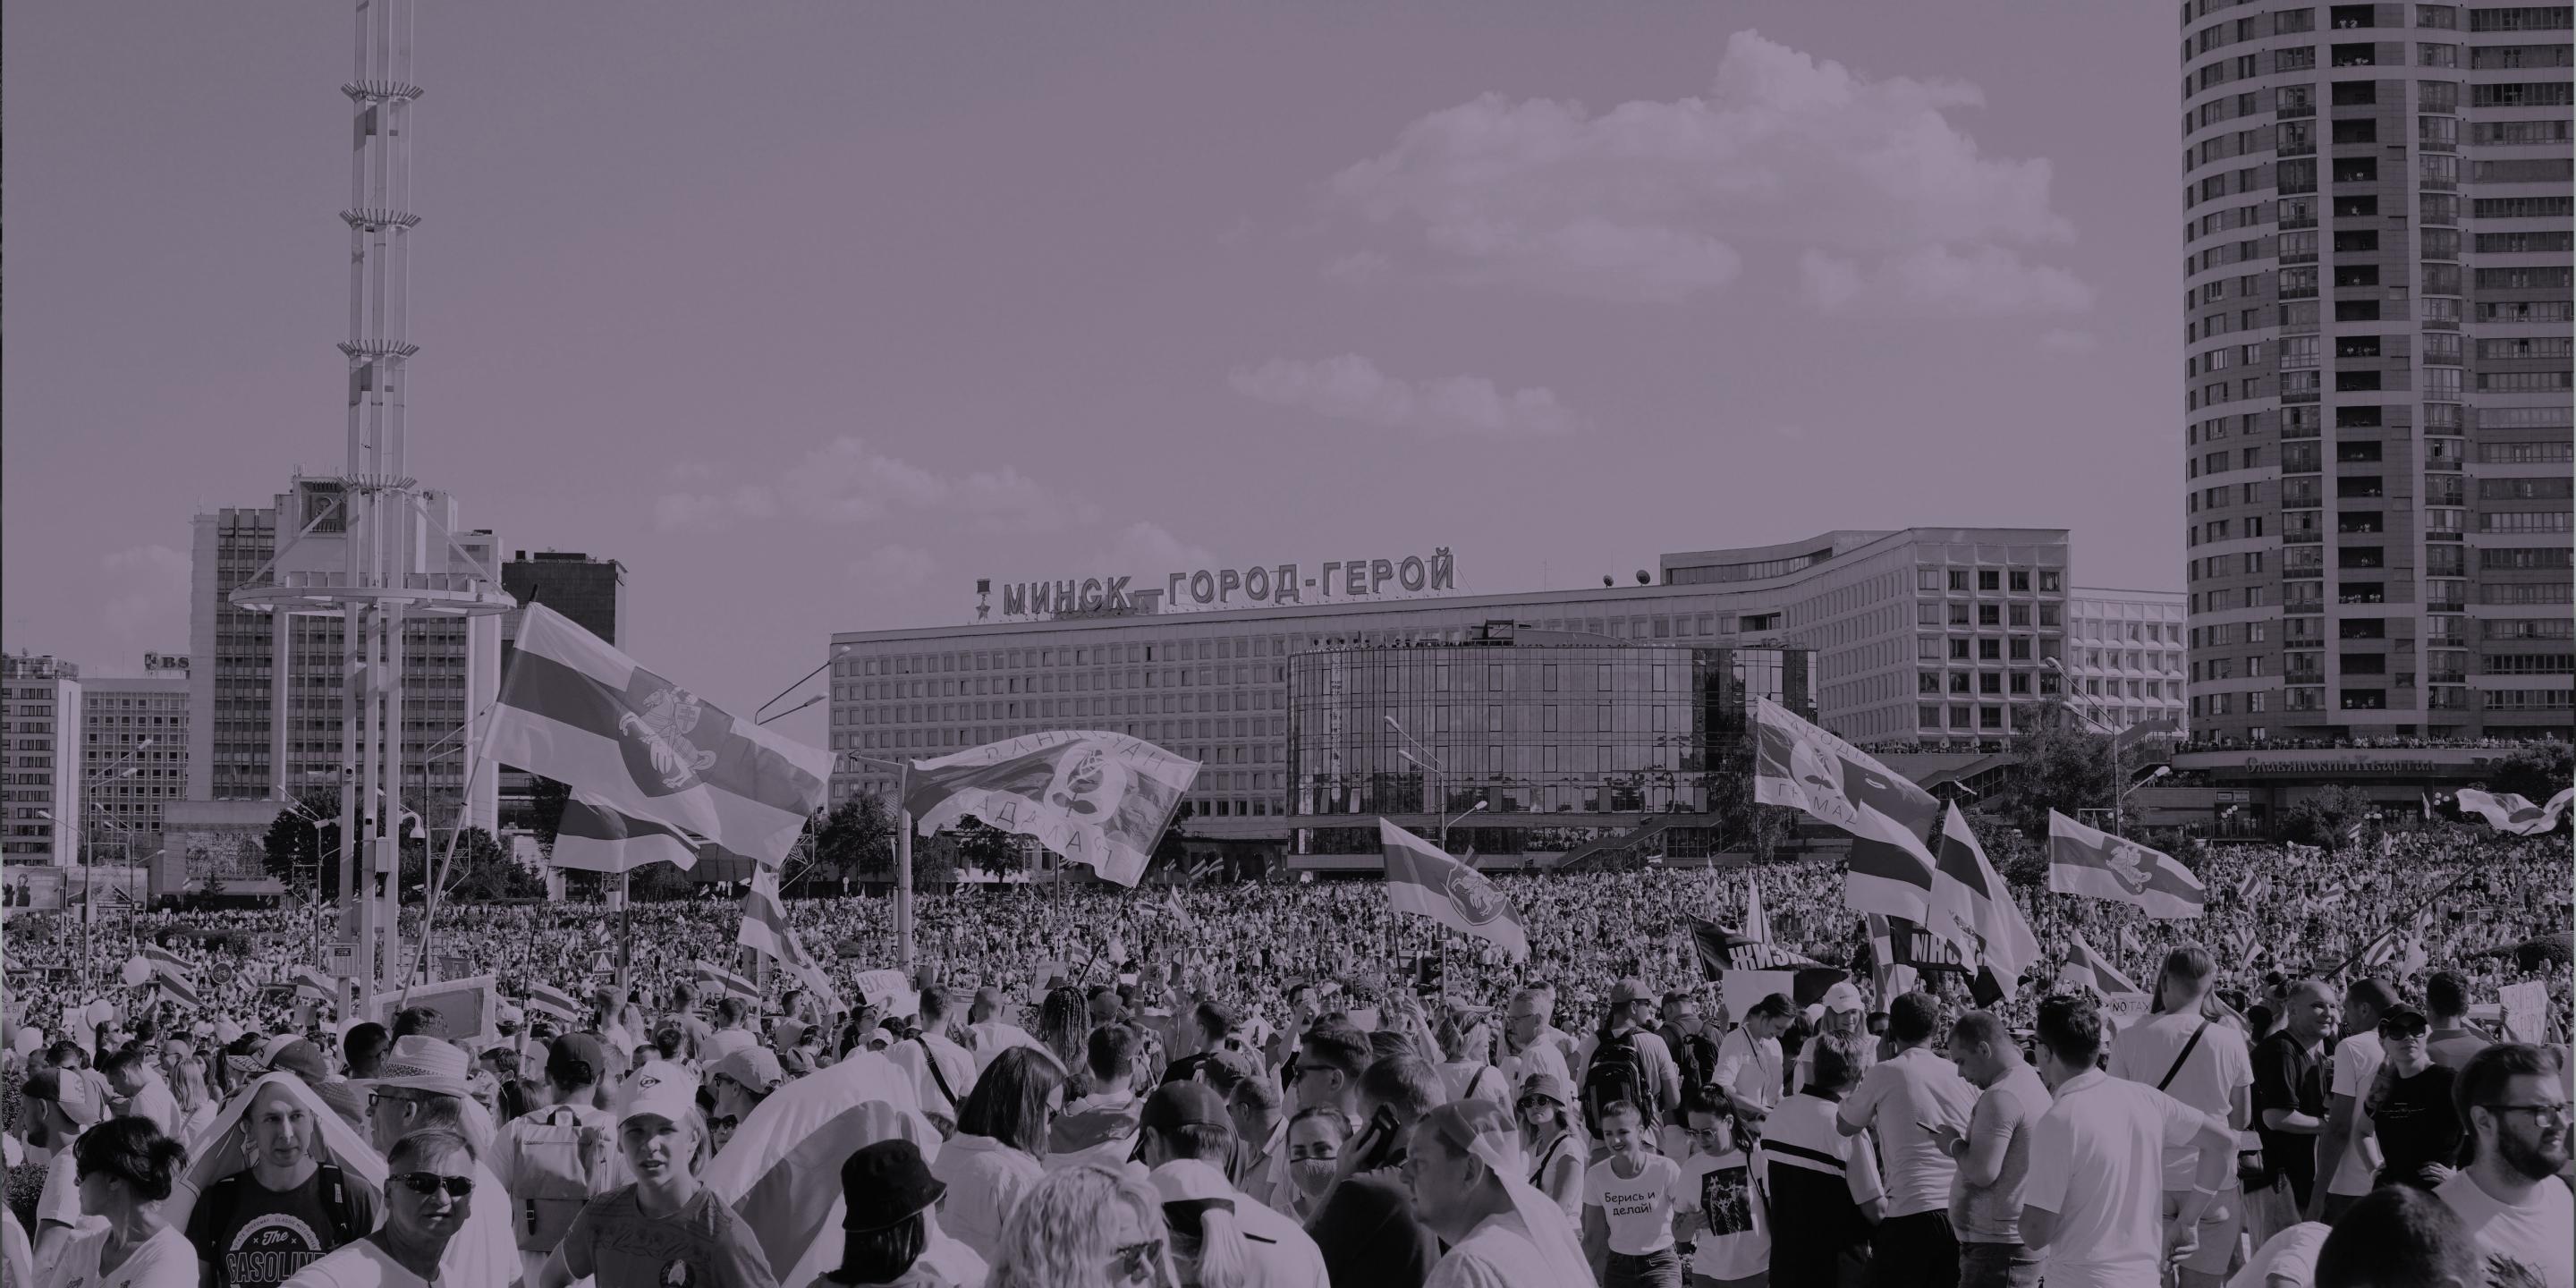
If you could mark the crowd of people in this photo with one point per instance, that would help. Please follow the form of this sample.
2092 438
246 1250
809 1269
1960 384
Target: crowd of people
1285 1083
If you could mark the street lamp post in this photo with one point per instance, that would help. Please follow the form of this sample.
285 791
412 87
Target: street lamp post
902 863
1445 822
2119 789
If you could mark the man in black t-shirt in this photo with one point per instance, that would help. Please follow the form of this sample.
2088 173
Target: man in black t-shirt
2409 1105
257 1227
2290 1074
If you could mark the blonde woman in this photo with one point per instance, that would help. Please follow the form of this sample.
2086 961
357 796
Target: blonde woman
1554 1145
1086 1227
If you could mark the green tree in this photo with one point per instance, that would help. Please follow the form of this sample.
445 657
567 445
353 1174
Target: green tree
2062 767
857 839
985 848
2326 818
545 809
1760 829
296 841
2536 772
1170 852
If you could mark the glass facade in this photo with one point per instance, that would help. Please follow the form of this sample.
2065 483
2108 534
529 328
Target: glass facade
1542 730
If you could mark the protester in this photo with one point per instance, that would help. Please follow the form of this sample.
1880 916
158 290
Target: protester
1084 1227
126 1169
2346 1159
1554 1142
1818 1185
1899 1101
1366 1225
1628 1205
944 1070
1992 1153
1000 1147
553 1161
1500 1233
2509 1195
888 1194
2289 1100
1316 1137
2409 1114
1234 1240
1724 1247
429 1196
2207 1065
665 1227
2400 1237
1101 1127
289 1207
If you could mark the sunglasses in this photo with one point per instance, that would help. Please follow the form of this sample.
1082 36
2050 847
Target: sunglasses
1137 1260
425 1184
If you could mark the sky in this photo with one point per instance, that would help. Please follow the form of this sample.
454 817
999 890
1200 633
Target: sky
811 312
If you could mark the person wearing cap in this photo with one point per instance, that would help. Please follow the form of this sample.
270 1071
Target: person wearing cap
889 1232
1185 1137
416 1075
64 1104
1841 1012
942 1071
1630 1022
742 1078
2347 1161
2409 1110
1464 1176
666 1227
575 1063
289 1206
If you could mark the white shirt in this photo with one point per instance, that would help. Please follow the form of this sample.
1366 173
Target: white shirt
1465 1079
1748 1067
1638 1209
2356 1062
1731 1243
1541 1057
956 1064
1893 1099
2291 1254
357 1265
155 1102
1281 1255
166 1260
2220 1066
2097 1161
985 1179
993 1037
1498 1253
2535 1233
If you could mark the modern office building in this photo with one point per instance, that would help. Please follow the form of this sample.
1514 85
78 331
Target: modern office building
134 754
41 728
1924 633
251 737
591 592
2125 656
1523 741
2377 264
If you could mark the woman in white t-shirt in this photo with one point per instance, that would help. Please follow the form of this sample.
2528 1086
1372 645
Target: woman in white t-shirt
126 1168
1553 1143
1628 1203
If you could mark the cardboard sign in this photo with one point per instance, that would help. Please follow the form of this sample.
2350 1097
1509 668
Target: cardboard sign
341 959
887 991
471 1007
2526 1010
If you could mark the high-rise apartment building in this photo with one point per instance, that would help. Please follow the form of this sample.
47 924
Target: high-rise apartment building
134 753
40 724
2125 656
2377 319
251 737
591 592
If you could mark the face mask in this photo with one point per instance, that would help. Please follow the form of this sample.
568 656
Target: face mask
1311 1176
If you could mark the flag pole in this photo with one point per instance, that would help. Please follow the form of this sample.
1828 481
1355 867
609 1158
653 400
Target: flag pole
903 890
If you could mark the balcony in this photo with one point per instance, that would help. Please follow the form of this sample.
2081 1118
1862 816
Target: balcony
2294 111
2307 149
2296 293
2296 222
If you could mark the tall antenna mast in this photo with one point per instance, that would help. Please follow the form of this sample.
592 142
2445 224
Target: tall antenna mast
397 565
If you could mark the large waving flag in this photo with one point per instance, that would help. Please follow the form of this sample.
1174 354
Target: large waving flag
1971 907
2092 863
781 1171
1716 946
1756 951
1801 766
545 999
725 981
1097 798
2514 814
2086 968
578 711
597 838
766 931
1427 883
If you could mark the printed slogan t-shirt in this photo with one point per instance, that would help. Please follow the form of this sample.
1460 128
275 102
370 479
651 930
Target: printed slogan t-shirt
1639 1208
268 1235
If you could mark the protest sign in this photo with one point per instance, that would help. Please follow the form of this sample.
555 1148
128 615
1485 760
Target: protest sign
886 991
2526 1010
471 1007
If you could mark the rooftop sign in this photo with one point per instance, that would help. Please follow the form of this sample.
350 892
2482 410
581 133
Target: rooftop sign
1221 588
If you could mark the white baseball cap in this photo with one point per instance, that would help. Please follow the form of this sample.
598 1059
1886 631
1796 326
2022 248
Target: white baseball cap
662 1089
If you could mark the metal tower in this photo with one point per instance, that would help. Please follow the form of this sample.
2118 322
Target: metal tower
396 548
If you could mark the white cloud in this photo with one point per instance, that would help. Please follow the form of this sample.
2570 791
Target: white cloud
1148 549
150 585
892 569
1648 201
1936 281
2062 340
1351 387
1359 267
845 481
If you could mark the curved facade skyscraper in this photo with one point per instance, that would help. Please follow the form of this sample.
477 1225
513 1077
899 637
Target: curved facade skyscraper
2377 314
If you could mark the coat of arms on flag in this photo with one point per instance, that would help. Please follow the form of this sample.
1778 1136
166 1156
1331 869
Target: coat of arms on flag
1796 764
1097 798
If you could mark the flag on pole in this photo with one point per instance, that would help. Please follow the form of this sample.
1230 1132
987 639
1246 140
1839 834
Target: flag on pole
1798 765
766 930
1753 949
1715 945
1982 918
2247 943
717 977
1180 913
162 958
596 837
312 983
2086 968
1092 797
547 1000
2092 863
181 989
2514 814
578 711
2382 948
1422 880
1892 977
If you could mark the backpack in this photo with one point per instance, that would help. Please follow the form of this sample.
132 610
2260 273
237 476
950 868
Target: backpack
1617 1072
225 1196
551 1184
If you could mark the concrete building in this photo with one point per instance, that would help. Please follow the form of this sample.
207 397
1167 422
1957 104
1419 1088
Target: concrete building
2377 274
1923 633
2125 656
134 755
41 728
591 592
251 737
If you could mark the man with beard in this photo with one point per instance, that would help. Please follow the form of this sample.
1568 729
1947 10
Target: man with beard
432 1185
259 1226
2513 1099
